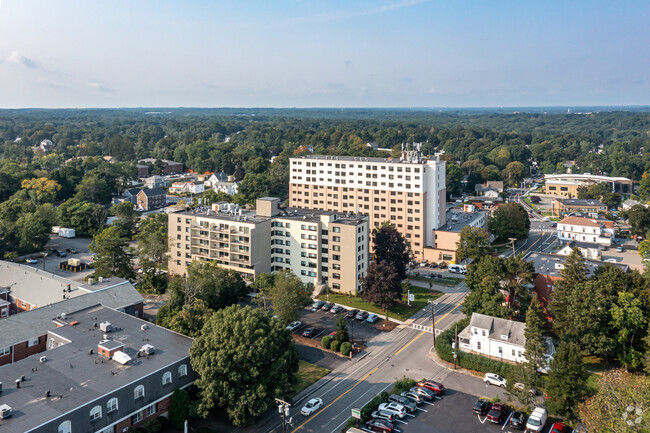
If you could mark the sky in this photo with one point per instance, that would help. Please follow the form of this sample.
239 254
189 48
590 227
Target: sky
310 53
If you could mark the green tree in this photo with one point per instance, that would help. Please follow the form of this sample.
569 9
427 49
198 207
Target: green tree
244 359
514 173
287 294
646 358
41 190
188 320
86 218
152 248
179 408
382 285
628 319
639 218
342 330
518 276
566 382
644 186
94 189
566 293
390 247
473 243
535 346
453 180
217 286
510 221
126 218
484 283
113 256
621 404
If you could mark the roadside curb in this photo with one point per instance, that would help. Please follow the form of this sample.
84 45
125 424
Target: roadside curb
444 364
379 315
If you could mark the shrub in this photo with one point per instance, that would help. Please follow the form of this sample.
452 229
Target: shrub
334 345
346 348
179 408
326 342
404 384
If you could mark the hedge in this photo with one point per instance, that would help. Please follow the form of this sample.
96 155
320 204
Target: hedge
326 341
399 386
468 360
334 345
346 348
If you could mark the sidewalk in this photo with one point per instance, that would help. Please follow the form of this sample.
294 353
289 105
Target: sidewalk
449 366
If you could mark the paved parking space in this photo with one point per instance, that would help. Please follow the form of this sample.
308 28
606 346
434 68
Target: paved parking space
325 322
51 262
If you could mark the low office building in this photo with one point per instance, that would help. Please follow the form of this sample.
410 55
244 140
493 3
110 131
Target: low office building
322 248
103 371
566 185
587 230
548 268
496 338
446 238
566 206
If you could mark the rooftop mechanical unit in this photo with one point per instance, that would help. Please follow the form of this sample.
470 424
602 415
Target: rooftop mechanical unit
105 327
5 411
147 349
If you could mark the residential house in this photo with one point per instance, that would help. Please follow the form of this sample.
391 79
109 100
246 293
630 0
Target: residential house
178 188
46 145
588 251
196 187
131 195
490 185
497 338
150 199
216 178
580 229
229 188
155 182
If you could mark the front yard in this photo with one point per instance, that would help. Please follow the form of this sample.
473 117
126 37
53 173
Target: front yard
308 373
401 311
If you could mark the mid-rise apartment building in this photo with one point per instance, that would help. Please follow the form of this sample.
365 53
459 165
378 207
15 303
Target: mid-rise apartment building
320 247
409 192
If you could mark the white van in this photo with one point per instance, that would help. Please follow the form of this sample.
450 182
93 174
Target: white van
457 269
536 420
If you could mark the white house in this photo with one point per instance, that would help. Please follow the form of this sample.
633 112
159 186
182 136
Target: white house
196 187
178 188
588 251
46 145
229 188
585 230
216 178
497 338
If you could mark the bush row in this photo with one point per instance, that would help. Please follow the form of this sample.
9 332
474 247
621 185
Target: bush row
468 360
335 345
399 386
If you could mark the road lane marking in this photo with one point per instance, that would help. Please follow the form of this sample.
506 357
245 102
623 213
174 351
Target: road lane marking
423 410
479 418
399 420
410 414
336 399
423 332
426 402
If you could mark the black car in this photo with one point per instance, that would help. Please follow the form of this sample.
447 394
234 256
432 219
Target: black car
517 420
328 306
351 314
481 406
310 332
362 315
436 276
72 251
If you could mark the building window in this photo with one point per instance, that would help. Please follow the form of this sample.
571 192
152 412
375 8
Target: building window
33 341
138 392
478 345
5 351
136 418
65 427
336 229
95 413
182 370
167 378
111 405
150 410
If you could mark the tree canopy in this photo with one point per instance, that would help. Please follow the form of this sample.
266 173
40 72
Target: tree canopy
510 221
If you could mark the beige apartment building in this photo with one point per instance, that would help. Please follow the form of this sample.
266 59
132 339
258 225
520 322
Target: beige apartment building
409 192
322 248
447 237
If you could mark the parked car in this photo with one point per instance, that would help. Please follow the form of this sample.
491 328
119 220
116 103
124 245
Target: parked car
380 425
408 404
31 261
309 332
362 315
413 396
560 427
497 413
603 248
436 276
312 406
520 386
481 406
494 379
317 305
619 249
332 334
395 408
610 260
431 385
517 420
383 415
351 314
457 269
327 306
336 309
536 420
424 263
553 224
294 326
372 318
425 393
433 265
72 251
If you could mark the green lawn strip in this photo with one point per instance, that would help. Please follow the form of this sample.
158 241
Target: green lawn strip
445 281
308 373
400 312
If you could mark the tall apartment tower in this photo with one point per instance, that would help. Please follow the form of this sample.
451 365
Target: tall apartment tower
409 192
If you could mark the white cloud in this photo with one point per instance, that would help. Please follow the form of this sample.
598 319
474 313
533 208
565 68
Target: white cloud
21 60
99 86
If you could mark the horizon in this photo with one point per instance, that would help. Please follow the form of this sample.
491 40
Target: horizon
396 54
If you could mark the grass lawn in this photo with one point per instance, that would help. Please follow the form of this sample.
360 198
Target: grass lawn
308 373
401 311
446 281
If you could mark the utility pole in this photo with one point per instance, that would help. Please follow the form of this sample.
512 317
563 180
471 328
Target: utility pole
512 240
433 319
456 346
283 409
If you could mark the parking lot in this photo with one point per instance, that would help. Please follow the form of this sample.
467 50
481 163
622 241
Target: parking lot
51 262
451 413
325 322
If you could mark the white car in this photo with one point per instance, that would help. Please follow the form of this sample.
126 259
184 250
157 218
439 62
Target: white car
312 406
294 326
396 409
31 261
372 318
494 379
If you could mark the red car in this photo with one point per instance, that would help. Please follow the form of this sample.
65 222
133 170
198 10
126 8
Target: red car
380 425
497 413
436 387
559 427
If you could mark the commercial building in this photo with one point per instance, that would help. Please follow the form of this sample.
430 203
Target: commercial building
499 339
103 371
408 192
322 248
446 238
587 230
566 185
565 206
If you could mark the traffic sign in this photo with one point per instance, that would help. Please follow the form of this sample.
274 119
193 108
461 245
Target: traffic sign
356 413
411 297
